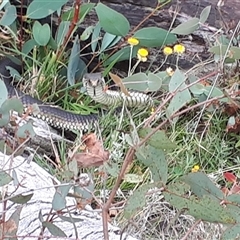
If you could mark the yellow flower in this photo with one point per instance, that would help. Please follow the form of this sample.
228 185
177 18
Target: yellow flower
133 41
169 71
179 49
152 111
167 51
142 54
195 168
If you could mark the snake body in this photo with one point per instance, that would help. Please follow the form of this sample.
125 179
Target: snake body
62 119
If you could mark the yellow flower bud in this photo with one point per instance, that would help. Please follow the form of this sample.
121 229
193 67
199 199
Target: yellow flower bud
167 51
195 168
179 49
142 54
133 41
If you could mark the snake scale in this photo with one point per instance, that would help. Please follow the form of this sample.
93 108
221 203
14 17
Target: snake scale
59 118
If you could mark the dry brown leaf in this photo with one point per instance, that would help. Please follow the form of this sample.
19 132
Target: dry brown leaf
94 155
119 83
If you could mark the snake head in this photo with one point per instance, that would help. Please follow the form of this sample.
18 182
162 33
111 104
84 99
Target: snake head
93 80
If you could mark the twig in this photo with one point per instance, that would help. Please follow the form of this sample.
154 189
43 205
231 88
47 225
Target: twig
74 22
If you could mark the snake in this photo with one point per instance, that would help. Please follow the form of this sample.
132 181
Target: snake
59 118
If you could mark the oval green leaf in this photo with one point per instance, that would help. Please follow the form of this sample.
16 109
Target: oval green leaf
154 37
5 178
9 16
41 33
204 14
40 9
187 27
112 21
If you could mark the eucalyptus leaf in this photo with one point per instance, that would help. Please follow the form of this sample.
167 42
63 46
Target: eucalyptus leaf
62 32
54 230
40 9
5 178
187 27
155 159
28 46
3 93
136 201
95 37
21 199
123 54
86 33
204 14
75 65
9 16
112 21
25 131
59 198
154 37
41 33
158 140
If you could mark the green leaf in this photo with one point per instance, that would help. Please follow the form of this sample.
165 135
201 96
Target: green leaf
179 100
5 178
181 97
41 33
61 32
3 93
138 81
3 4
176 81
197 88
21 199
25 131
136 201
187 27
201 185
112 21
14 104
122 54
154 158
95 37
142 82
180 188
76 66
158 140
234 53
9 16
234 198
205 208
215 92
86 33
219 49
28 46
204 14
108 41
84 193
4 117
53 229
59 198
232 232
154 37
40 9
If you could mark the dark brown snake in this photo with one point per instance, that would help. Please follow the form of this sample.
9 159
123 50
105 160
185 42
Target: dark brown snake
62 119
